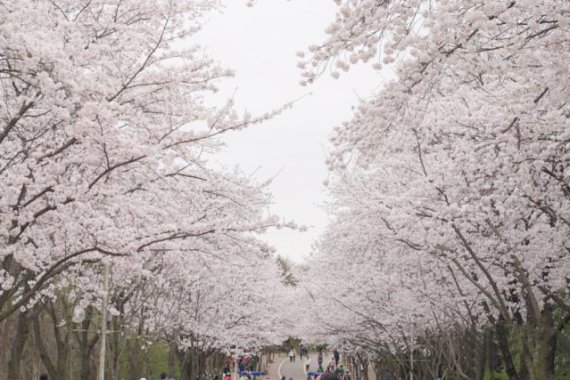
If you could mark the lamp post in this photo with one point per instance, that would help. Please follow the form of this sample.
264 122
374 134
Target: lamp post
412 353
101 375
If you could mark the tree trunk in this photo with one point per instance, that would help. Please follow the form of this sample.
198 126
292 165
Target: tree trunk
17 349
41 348
378 369
186 364
61 342
201 370
133 351
172 358
86 345
6 346
503 340
545 339
116 348
479 346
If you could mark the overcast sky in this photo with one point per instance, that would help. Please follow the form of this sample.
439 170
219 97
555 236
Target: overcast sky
260 43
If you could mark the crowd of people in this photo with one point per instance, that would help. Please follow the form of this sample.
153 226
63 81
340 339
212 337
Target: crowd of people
247 364
332 370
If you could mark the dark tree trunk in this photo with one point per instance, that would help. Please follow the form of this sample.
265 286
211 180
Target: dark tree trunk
17 349
86 345
503 340
186 364
550 341
42 349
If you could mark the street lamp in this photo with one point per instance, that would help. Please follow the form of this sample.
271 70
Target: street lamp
101 374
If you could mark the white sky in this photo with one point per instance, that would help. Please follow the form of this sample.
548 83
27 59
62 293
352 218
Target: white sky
260 43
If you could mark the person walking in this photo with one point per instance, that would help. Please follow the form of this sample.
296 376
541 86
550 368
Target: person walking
307 363
320 359
291 355
227 364
336 355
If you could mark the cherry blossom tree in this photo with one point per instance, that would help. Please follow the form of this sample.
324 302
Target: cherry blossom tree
105 136
103 113
459 164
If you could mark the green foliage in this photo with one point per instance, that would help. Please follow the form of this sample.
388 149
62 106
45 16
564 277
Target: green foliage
562 362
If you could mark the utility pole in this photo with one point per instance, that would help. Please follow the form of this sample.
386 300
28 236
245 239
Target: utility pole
101 375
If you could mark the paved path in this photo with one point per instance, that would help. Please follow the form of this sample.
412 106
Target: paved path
294 370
